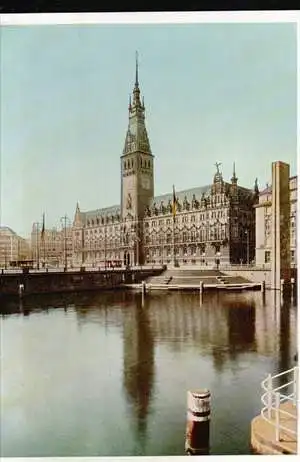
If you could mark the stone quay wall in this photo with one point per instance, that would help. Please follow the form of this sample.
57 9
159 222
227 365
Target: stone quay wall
70 281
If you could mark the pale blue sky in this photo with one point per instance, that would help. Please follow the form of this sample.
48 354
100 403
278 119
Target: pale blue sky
213 92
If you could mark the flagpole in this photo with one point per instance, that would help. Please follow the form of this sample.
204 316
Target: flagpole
37 246
43 238
174 261
44 241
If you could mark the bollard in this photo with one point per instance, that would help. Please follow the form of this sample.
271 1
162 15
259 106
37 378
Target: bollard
201 287
198 420
263 286
143 288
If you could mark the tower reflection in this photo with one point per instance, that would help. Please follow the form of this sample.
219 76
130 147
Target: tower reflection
138 362
241 326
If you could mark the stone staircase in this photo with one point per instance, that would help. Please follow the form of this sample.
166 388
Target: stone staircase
192 278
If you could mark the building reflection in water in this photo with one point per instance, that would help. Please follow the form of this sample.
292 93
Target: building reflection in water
138 362
224 326
241 326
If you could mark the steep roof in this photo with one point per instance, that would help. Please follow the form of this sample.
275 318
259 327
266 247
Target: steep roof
7 230
165 198
112 210
181 194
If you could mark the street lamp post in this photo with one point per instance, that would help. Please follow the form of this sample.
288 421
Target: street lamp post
162 246
37 244
105 246
64 220
247 237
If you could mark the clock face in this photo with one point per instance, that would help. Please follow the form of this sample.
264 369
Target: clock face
145 182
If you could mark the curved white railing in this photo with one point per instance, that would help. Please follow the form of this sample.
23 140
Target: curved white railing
274 396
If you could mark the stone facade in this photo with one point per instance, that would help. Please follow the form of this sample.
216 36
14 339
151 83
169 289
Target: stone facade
263 220
214 224
12 247
53 247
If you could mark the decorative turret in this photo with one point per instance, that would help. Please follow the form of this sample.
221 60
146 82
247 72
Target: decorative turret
256 191
234 178
218 183
77 217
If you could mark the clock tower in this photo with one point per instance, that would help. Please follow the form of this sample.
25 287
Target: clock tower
137 183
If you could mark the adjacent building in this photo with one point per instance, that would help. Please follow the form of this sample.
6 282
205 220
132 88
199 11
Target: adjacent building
13 248
263 220
213 224
51 247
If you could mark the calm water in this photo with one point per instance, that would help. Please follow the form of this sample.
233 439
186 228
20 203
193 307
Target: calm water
102 375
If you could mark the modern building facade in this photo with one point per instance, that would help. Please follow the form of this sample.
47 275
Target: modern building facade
214 224
12 247
263 219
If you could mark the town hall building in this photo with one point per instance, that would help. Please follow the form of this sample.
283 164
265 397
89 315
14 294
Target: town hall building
204 226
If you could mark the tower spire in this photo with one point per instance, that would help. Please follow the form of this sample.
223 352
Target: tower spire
136 137
136 69
136 90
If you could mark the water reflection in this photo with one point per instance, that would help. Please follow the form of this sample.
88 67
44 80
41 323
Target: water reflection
241 326
138 362
156 345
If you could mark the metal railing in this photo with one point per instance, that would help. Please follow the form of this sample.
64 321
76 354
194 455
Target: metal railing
87 268
274 396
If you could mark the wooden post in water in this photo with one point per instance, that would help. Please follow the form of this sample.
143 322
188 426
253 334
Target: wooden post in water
201 287
263 287
292 287
143 293
21 290
198 421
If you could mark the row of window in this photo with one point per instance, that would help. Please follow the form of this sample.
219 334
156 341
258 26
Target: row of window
130 163
102 220
185 219
183 251
184 237
268 256
109 230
